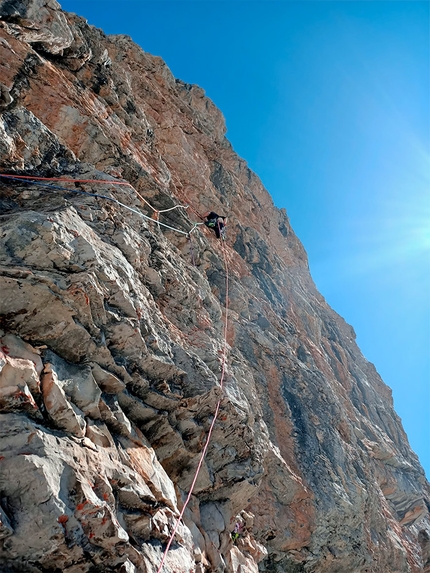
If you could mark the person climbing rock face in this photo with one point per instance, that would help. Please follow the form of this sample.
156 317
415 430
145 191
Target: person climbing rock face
217 223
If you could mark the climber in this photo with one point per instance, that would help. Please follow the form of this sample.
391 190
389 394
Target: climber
217 223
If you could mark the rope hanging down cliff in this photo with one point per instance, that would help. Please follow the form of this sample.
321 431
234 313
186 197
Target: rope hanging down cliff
221 383
39 181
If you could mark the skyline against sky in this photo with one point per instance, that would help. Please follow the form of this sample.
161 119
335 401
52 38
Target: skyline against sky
328 102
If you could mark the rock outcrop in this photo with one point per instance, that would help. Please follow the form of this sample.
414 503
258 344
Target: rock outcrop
112 337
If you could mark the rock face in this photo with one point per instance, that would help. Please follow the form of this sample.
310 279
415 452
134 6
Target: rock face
112 336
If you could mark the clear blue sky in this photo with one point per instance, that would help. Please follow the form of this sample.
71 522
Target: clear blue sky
329 103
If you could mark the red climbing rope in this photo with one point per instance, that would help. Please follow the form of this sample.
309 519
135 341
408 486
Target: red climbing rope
103 181
13 176
203 454
106 198
38 180
224 352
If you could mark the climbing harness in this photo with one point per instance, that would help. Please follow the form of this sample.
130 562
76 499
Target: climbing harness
39 181
213 221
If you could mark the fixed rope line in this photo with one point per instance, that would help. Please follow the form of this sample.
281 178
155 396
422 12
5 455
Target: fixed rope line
203 454
102 181
174 207
39 182
157 211
125 183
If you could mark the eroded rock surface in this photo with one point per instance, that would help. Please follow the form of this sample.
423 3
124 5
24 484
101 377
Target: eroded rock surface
112 336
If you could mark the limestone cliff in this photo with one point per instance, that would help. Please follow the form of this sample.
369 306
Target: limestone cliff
112 340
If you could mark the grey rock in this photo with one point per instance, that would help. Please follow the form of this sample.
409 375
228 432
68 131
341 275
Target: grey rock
107 381
60 410
124 321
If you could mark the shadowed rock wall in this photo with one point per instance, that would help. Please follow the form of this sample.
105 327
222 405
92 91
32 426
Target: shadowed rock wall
112 337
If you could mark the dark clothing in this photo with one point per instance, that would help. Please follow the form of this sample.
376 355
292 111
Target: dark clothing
213 221
213 215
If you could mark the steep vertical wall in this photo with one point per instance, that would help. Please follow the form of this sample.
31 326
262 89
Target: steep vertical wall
112 341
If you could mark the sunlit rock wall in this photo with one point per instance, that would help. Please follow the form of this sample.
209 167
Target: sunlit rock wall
112 336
